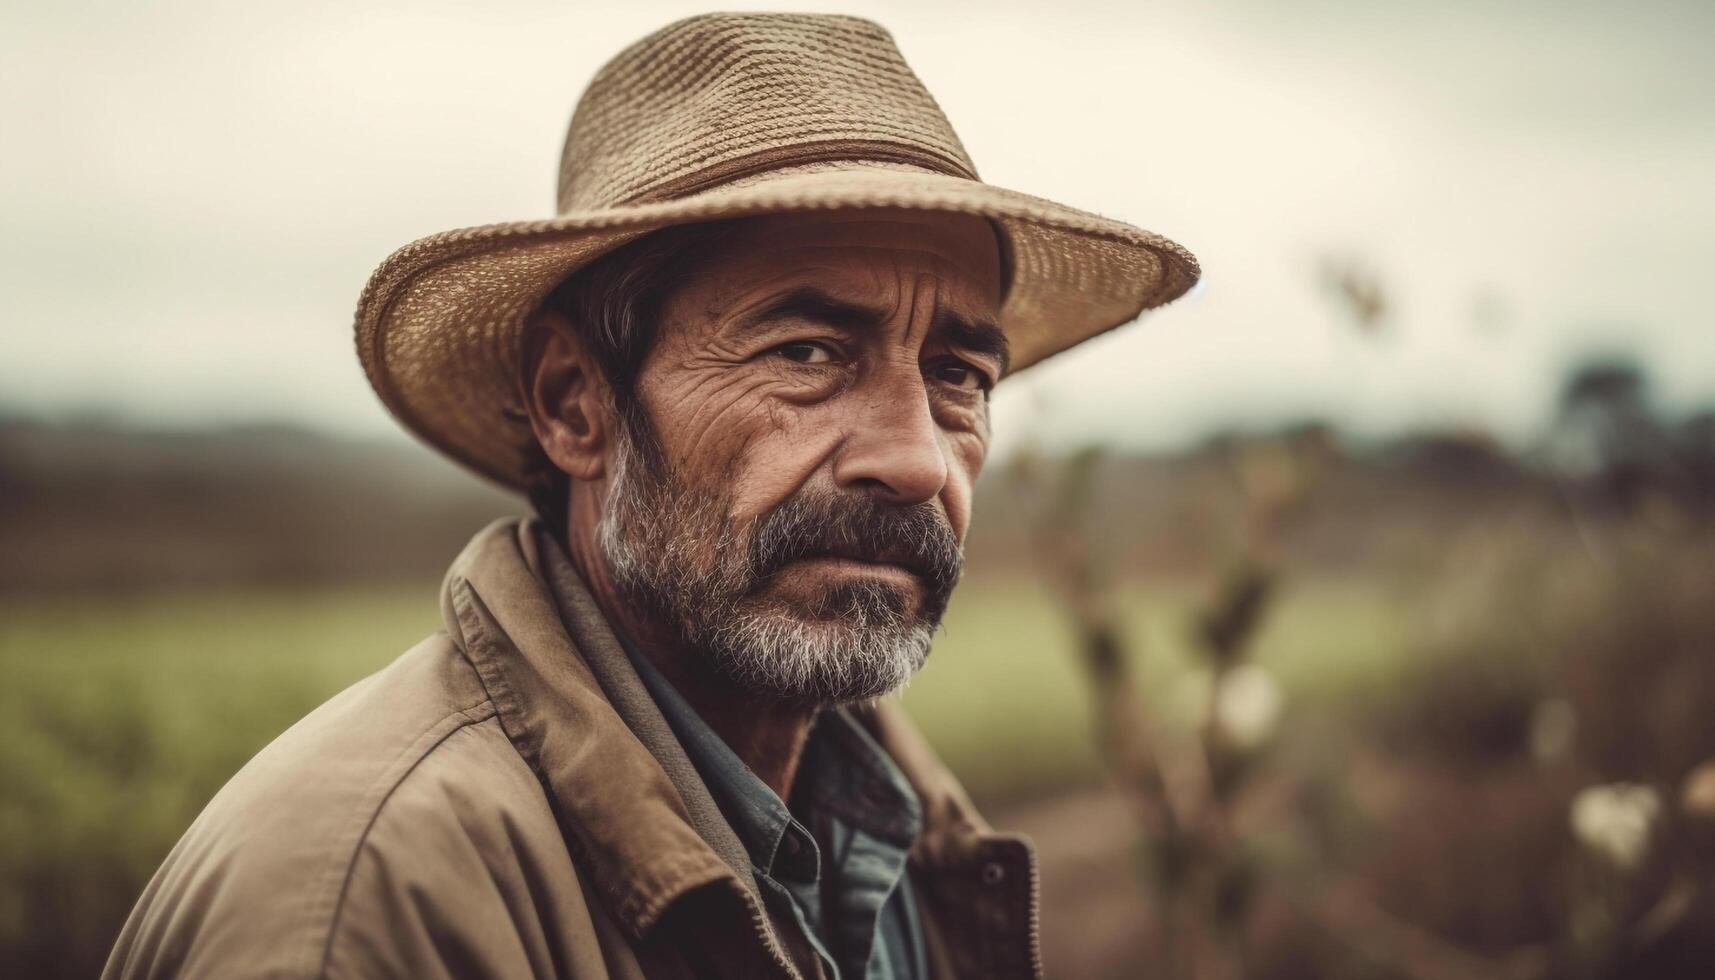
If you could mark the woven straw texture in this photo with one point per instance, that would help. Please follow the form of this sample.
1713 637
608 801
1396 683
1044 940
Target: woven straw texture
721 116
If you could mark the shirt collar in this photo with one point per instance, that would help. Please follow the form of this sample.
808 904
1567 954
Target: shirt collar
843 771
778 844
847 774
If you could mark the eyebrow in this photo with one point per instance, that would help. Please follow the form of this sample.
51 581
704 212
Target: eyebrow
811 303
976 336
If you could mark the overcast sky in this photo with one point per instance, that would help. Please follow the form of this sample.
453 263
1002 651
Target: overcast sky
193 193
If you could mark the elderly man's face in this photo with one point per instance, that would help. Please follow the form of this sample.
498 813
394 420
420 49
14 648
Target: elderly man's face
818 398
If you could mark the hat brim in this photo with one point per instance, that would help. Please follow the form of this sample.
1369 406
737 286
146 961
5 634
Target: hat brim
439 325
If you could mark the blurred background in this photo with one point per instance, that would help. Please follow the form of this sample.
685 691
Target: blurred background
1353 617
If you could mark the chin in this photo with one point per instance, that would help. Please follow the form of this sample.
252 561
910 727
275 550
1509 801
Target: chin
780 654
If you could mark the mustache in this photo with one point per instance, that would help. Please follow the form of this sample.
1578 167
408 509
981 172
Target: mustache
819 525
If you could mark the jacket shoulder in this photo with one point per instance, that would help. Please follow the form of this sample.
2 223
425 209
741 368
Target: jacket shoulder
466 873
255 885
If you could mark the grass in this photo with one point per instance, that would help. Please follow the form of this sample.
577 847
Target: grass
120 718
118 721
1003 700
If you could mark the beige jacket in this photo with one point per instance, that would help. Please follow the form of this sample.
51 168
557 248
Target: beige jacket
505 800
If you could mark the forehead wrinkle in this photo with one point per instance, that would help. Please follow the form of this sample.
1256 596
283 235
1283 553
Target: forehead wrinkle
916 289
884 276
776 283
730 300
887 275
962 242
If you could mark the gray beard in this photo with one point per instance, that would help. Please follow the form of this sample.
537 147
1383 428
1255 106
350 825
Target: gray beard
855 642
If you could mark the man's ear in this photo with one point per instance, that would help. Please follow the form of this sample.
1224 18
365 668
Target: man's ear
566 397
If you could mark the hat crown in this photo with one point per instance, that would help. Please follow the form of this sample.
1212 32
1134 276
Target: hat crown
719 97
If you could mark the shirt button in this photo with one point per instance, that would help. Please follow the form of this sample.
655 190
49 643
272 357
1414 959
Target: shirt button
993 873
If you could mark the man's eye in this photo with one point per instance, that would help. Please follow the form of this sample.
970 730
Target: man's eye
805 352
959 375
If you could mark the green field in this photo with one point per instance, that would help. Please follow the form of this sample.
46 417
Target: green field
122 717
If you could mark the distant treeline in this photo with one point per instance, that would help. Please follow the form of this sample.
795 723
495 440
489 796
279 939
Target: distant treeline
93 507
100 507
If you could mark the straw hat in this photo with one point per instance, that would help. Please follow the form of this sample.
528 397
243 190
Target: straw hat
714 117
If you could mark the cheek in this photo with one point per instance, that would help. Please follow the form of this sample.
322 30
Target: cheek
704 418
966 452
728 429
779 460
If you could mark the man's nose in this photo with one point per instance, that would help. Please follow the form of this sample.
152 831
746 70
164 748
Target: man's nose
894 449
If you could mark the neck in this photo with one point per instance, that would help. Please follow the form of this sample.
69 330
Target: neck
767 736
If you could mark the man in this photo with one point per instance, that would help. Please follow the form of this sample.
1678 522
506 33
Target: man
744 377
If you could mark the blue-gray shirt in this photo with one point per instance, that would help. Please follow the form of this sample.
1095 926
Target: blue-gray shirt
843 875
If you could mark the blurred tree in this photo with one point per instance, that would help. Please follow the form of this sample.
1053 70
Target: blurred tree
1609 435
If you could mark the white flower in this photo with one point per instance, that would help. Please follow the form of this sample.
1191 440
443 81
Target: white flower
1247 706
1615 820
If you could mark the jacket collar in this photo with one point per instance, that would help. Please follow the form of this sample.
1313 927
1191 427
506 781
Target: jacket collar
630 803
622 815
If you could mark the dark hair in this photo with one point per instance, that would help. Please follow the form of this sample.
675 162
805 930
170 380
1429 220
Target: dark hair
615 305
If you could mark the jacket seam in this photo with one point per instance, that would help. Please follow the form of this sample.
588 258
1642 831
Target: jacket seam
471 716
